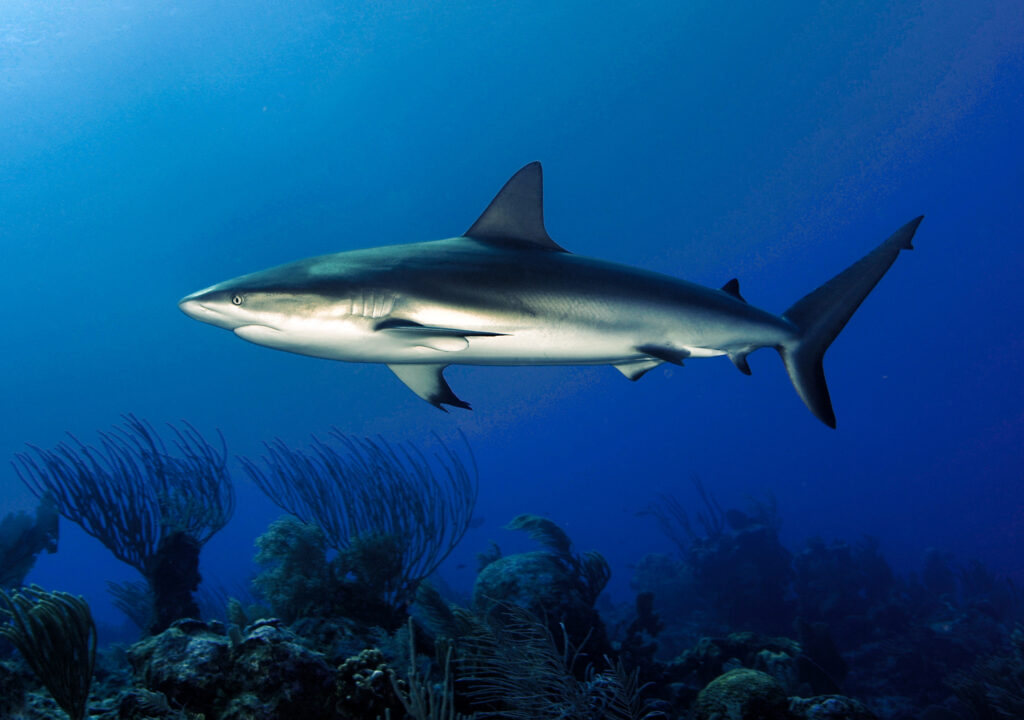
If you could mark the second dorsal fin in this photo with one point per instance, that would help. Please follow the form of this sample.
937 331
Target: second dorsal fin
516 214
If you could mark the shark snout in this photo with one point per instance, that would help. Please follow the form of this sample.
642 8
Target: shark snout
200 306
190 304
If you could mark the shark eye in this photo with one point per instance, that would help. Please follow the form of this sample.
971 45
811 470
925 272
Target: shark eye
236 299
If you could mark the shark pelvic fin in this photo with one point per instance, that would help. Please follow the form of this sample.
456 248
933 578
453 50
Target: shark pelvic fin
428 382
516 214
636 369
436 338
739 359
733 288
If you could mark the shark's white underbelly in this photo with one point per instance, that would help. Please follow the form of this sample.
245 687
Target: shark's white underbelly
550 349
522 347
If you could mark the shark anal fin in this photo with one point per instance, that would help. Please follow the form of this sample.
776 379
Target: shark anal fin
733 288
436 338
635 369
663 352
428 382
516 214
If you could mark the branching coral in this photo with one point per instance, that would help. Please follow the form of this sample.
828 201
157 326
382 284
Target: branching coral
421 699
151 508
674 521
513 668
376 498
55 633
512 665
135 600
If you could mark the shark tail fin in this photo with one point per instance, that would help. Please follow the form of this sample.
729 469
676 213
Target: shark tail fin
822 314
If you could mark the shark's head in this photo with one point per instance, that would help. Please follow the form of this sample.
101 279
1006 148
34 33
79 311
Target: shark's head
291 307
222 305
267 299
260 307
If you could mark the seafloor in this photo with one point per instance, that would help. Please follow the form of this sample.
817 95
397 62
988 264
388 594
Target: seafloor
347 618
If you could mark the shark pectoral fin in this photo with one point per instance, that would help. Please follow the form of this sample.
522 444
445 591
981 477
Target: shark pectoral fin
428 382
663 352
429 336
635 369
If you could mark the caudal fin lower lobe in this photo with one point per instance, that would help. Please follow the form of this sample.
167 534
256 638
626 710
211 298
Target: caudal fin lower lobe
822 314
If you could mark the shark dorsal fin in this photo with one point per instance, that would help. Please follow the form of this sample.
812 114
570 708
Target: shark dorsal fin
516 214
733 288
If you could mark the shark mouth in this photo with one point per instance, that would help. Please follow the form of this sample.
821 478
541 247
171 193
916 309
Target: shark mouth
257 333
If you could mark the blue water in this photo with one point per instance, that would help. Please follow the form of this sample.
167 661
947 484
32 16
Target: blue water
151 149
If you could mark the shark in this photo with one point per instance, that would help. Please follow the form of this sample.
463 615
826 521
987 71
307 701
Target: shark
505 293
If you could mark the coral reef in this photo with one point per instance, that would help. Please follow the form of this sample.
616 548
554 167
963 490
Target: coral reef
135 600
186 663
899 644
829 707
56 636
298 581
265 672
994 686
22 539
740 570
406 511
553 583
367 686
174 577
152 509
742 694
342 624
295 577
514 668
848 587
12 689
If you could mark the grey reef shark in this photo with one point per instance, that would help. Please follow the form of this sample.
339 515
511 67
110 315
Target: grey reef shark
505 293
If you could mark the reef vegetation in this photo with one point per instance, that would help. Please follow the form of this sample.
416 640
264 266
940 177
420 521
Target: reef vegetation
346 618
152 509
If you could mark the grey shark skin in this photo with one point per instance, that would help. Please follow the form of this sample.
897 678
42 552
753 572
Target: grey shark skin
505 293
